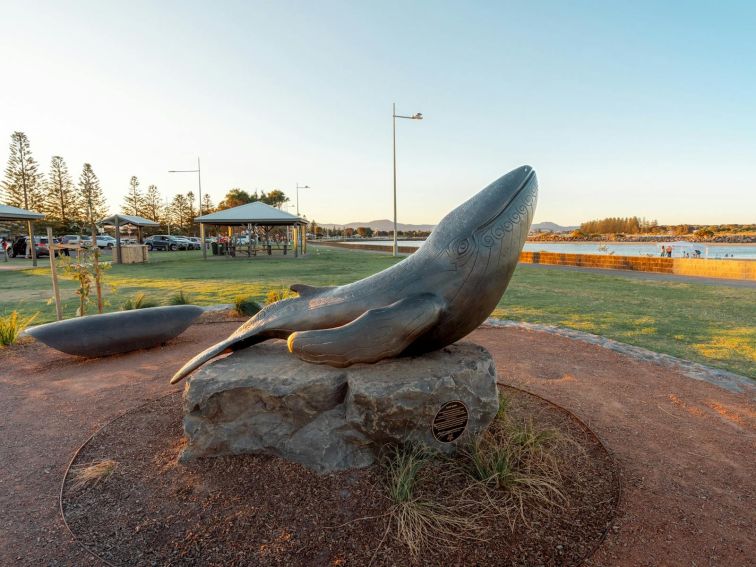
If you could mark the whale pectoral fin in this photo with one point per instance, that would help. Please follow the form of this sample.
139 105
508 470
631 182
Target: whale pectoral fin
374 335
304 290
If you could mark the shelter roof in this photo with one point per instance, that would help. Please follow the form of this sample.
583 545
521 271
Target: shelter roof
14 213
250 213
129 219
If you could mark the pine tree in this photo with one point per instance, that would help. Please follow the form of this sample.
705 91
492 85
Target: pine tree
60 199
133 203
191 212
90 194
207 204
22 186
178 211
152 204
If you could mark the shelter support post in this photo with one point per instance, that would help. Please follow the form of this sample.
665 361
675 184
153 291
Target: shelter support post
202 241
118 241
30 243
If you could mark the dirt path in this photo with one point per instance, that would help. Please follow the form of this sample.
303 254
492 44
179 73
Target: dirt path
686 448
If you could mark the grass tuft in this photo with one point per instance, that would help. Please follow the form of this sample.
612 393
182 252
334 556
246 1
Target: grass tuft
180 298
139 301
11 326
245 306
279 294
416 521
92 474
514 463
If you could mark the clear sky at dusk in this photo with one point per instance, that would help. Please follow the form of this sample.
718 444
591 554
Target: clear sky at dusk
623 108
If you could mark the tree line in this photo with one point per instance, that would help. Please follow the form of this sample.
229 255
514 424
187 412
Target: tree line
70 206
618 225
66 204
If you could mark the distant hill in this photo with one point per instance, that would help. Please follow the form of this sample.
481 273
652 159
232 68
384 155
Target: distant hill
382 224
552 227
387 225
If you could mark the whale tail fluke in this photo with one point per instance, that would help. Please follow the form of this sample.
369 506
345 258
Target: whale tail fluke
230 344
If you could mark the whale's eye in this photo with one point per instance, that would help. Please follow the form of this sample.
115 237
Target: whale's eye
462 246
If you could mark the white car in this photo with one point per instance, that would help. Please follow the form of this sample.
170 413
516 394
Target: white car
105 241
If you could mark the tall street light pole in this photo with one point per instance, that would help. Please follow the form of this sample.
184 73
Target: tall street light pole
417 116
298 188
199 180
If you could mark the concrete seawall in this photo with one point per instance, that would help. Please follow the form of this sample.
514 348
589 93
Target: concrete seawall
723 269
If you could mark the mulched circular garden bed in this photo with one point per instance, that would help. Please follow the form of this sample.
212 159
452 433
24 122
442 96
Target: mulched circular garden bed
144 508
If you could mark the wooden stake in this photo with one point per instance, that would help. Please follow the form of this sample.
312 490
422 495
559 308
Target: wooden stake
97 274
53 272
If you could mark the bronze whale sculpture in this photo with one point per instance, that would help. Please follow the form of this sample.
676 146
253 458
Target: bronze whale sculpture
429 300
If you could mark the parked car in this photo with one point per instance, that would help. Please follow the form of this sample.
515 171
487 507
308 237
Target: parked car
105 241
18 248
161 242
184 243
192 242
196 241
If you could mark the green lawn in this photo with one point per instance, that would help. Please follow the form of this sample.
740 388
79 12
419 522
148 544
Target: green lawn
714 325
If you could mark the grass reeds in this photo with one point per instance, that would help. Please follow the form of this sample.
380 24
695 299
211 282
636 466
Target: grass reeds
139 301
92 474
413 519
278 294
245 306
180 298
509 470
11 326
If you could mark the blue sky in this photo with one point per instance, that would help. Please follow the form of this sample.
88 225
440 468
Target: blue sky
623 108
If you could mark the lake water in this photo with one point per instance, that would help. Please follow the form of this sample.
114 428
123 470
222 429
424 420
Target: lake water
738 252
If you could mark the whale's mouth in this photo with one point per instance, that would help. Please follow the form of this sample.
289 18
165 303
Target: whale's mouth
520 188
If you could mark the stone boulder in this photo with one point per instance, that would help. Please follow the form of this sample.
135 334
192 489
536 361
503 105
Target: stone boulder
264 400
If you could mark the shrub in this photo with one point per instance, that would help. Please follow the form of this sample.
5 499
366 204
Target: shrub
180 298
11 327
279 294
139 301
245 306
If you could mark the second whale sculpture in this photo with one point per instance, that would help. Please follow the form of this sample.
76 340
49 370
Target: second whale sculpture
429 300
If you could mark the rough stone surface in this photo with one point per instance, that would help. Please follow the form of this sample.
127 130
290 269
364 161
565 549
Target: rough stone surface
263 400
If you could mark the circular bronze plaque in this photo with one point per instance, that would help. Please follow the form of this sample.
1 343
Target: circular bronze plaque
450 421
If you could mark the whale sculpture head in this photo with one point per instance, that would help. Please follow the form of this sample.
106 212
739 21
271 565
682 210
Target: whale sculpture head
482 222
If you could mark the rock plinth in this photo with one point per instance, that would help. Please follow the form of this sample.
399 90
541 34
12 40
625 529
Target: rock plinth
264 400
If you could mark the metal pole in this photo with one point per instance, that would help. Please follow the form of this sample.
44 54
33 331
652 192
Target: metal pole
297 199
199 183
202 240
393 120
